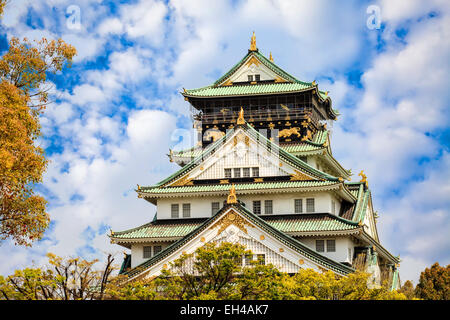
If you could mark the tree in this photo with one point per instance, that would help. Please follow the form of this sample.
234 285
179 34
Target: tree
215 271
434 283
408 290
63 279
23 97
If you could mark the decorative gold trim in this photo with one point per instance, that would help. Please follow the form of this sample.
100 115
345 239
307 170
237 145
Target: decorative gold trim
185 181
281 250
225 181
288 132
261 237
251 61
301 261
232 196
202 239
363 178
241 119
299 176
270 56
230 218
227 83
253 42
259 180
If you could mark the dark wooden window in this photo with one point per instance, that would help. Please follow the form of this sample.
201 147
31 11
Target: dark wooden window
257 77
156 250
298 205
250 78
147 252
320 245
268 206
255 172
186 210
227 173
261 258
246 172
214 207
175 210
237 172
310 205
257 207
331 245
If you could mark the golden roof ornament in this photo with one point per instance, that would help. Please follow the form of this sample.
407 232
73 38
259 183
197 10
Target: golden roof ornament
363 178
232 196
241 119
270 57
253 42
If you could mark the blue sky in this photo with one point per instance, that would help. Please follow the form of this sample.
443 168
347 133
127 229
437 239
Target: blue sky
118 110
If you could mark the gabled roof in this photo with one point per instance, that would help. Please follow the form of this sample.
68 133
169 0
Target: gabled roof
293 224
318 145
267 144
285 83
257 221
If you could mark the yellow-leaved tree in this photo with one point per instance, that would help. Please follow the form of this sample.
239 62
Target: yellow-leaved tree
23 97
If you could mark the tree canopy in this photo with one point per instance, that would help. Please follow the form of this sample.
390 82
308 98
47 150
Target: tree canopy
24 93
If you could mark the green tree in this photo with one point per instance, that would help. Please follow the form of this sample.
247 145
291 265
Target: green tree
434 283
215 271
408 290
23 97
62 279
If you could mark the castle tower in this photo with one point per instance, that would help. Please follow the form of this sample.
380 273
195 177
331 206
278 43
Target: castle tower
262 174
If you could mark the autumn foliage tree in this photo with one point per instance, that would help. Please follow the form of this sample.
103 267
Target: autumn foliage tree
63 279
24 93
434 283
216 272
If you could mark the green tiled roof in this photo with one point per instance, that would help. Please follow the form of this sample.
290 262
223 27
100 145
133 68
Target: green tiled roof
160 229
252 89
316 144
269 145
284 238
310 223
293 84
240 186
286 223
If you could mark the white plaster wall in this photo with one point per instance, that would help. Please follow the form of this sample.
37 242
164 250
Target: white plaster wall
242 73
137 252
282 203
343 244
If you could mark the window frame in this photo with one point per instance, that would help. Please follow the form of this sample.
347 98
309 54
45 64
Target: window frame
213 211
259 204
147 252
298 206
186 207
322 245
175 214
328 241
266 206
308 205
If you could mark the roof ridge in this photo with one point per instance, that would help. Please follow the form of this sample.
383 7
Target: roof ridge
311 254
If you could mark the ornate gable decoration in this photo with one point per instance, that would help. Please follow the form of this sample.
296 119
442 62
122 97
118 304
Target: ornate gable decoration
252 66
232 218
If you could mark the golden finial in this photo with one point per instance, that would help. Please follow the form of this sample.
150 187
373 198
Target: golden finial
139 187
184 90
253 42
241 119
171 155
363 178
270 57
232 196
314 82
